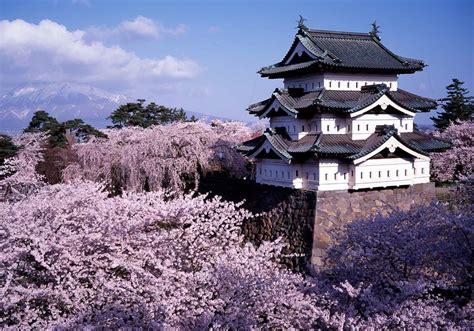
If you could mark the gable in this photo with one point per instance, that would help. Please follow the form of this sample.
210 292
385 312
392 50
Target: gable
393 146
383 102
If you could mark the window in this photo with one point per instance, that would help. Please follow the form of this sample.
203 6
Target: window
283 174
335 176
390 85
313 86
260 170
406 172
296 173
414 171
325 176
310 128
361 175
337 127
330 83
301 86
388 173
370 174
270 173
348 127
358 127
288 175
380 174
345 175
316 128
357 84
314 176
294 128
348 84
366 127
328 128
307 175
396 173
319 84
276 174
422 171
265 172
339 84
306 86
352 173
302 128
406 126
365 83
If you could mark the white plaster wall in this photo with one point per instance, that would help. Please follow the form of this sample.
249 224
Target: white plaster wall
296 128
363 126
330 174
340 81
389 172
280 173
333 175
354 82
333 125
307 82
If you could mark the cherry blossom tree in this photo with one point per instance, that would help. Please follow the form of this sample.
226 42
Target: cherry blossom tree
167 156
457 162
18 176
72 257
411 269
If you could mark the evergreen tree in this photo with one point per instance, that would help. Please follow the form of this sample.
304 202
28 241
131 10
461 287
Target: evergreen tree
457 106
43 122
7 148
137 114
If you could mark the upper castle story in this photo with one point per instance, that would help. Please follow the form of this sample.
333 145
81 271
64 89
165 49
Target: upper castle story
340 83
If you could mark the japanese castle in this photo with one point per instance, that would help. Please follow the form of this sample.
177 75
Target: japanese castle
341 122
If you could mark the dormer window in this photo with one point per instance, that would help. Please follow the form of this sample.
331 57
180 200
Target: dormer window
338 84
348 84
328 128
330 84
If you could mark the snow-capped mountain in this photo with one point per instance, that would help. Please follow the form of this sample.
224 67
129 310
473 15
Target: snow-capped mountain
63 100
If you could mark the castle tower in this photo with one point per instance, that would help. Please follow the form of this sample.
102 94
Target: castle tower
341 122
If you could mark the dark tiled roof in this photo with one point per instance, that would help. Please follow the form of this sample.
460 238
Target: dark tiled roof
341 101
342 51
425 141
342 145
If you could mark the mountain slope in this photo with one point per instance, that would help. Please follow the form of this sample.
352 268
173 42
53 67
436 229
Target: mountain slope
62 100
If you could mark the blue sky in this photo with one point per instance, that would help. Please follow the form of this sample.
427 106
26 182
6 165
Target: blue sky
203 55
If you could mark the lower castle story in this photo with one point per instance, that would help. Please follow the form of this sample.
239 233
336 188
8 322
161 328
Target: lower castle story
329 174
331 162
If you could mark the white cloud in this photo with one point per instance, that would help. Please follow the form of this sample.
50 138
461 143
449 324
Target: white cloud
48 51
139 28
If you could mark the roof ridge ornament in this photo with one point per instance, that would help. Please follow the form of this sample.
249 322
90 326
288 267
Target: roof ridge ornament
375 30
301 24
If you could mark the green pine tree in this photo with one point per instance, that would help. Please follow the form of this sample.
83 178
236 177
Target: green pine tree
137 114
43 122
7 148
457 106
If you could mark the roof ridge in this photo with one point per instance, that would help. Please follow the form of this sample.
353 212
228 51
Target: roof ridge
348 33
